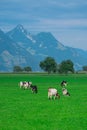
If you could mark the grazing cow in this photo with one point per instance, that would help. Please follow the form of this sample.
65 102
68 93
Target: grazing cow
29 84
65 92
63 83
34 89
53 92
25 84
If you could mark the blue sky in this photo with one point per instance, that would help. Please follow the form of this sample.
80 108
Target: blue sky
65 19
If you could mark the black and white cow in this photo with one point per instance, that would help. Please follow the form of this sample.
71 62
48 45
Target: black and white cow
34 89
63 83
25 84
65 92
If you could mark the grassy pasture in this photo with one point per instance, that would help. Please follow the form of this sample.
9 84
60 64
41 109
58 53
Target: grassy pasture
22 110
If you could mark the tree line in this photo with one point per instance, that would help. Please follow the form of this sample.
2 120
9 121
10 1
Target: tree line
49 65
20 69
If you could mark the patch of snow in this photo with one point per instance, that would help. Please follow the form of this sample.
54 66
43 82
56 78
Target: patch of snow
30 37
31 51
42 55
60 46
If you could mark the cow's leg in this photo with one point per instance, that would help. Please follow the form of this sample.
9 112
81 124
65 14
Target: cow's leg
55 97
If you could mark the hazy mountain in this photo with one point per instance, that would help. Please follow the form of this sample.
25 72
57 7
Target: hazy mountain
18 47
12 54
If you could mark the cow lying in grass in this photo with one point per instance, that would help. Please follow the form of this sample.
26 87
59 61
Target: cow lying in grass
52 92
25 84
65 92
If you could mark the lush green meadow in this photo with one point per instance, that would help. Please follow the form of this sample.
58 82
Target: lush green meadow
22 110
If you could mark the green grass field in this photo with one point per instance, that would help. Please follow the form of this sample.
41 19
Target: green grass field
22 110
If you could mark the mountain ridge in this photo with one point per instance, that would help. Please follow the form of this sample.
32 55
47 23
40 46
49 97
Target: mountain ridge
20 45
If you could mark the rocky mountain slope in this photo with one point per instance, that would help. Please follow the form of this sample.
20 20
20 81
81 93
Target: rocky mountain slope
18 47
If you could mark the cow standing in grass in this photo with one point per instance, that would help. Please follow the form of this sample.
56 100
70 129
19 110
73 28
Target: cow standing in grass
64 90
52 92
34 89
63 83
25 84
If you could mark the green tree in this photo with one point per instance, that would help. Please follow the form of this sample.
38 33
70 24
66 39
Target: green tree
49 65
66 66
27 69
17 69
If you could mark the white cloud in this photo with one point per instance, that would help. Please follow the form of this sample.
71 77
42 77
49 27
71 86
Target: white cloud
61 23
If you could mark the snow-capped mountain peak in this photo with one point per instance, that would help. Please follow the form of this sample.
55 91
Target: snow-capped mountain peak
20 28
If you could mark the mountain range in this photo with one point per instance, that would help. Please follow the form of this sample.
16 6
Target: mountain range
21 48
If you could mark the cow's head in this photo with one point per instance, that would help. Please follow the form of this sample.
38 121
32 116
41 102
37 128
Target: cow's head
57 95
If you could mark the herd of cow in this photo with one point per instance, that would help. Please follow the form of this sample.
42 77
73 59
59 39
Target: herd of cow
52 92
